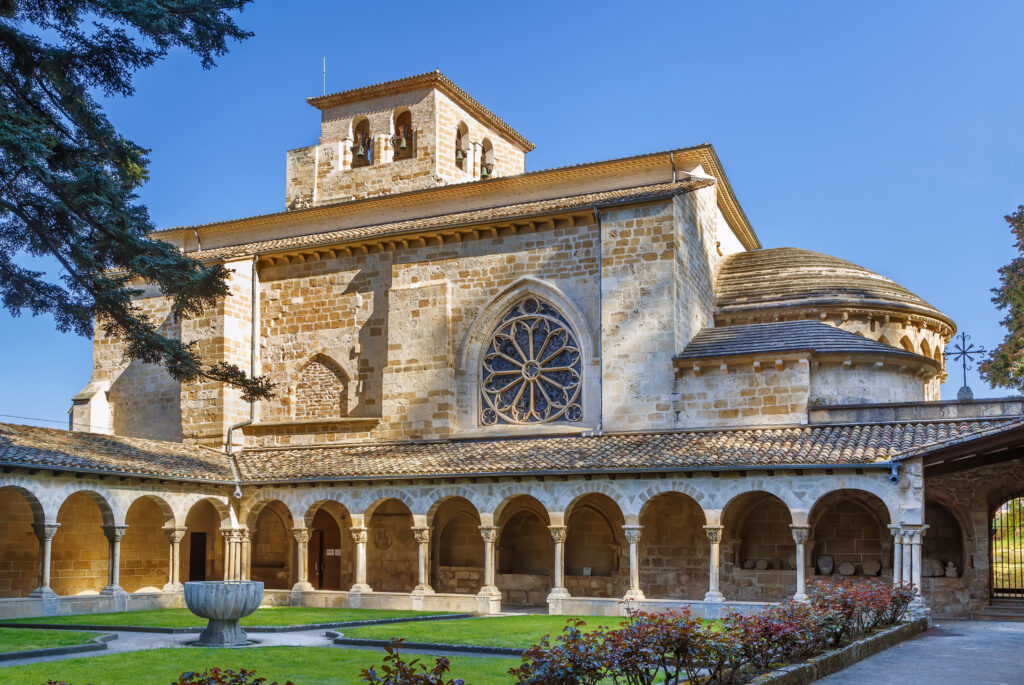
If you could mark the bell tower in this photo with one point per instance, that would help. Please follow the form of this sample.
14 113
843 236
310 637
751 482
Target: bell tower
413 133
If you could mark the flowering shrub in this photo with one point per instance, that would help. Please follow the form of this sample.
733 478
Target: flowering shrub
397 671
672 647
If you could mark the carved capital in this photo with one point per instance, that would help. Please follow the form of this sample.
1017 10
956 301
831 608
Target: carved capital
558 533
301 535
45 531
175 535
632 533
422 535
714 534
359 535
115 533
800 533
489 533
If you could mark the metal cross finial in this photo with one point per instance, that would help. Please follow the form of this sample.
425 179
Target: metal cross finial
963 351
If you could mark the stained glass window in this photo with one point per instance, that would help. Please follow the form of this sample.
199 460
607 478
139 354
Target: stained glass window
532 368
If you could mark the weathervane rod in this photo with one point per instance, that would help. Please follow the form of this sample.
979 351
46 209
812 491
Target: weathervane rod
325 75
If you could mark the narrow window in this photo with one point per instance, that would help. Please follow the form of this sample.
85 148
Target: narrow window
402 141
486 159
362 144
462 146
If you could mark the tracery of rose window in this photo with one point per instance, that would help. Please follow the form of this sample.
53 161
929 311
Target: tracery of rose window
532 368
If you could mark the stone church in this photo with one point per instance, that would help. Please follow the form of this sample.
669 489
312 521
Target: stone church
584 388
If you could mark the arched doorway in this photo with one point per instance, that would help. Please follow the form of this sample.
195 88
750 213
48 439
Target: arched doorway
458 558
80 560
330 548
202 553
674 550
270 526
1006 547
20 511
596 554
392 553
526 552
144 548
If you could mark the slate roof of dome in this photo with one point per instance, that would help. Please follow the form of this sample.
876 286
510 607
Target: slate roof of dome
785 336
790 277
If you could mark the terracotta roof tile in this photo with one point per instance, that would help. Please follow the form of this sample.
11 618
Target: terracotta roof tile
30 446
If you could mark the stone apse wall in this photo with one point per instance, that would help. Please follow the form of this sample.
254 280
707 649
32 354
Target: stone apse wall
842 512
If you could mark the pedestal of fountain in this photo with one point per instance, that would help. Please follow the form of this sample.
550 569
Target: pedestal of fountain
223 603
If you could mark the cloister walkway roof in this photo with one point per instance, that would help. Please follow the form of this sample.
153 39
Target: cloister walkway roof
818 445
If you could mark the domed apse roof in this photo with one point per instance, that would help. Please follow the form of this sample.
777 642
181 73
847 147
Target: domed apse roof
784 277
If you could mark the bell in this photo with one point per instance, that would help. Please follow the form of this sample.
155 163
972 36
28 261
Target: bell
459 156
402 145
485 172
361 152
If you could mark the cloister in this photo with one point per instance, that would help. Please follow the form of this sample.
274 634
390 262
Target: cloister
707 540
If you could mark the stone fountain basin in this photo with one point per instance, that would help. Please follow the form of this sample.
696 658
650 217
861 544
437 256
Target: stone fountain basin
223 602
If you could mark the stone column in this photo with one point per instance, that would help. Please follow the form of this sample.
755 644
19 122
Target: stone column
114 535
907 573
488 600
225 535
559 591
633 538
714 534
302 583
897 554
359 535
800 537
915 547
245 552
45 533
174 537
423 558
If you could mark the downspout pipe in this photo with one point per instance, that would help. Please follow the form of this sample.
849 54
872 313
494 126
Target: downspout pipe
254 299
600 318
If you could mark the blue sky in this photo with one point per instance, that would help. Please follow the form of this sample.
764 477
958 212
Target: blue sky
888 134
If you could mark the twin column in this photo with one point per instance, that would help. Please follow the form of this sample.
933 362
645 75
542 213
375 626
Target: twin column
906 555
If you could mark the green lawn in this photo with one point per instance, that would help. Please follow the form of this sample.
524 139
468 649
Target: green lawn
183 618
497 631
18 639
302 665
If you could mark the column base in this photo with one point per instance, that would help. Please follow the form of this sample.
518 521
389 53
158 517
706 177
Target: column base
555 599
800 597
303 587
114 590
43 592
173 587
634 595
714 596
423 590
359 588
488 600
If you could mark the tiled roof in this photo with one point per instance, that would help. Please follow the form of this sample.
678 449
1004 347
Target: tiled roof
30 446
744 448
787 276
475 217
784 336
47 448
432 79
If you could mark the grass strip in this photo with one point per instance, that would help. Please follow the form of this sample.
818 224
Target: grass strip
21 639
302 665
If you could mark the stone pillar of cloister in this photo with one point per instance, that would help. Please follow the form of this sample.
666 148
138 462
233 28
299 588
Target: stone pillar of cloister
714 534
897 554
633 538
302 583
114 535
45 533
246 536
489 597
800 537
174 538
559 591
423 586
359 535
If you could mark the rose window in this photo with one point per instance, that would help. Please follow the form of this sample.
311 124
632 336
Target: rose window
532 368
